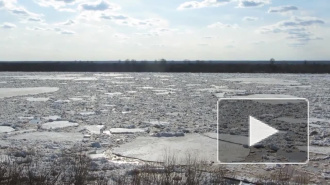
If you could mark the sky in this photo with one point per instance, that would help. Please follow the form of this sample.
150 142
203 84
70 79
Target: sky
38 30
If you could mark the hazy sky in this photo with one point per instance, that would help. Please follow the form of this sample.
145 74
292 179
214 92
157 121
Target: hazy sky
170 29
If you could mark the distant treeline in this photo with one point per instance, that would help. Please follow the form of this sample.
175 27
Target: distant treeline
163 66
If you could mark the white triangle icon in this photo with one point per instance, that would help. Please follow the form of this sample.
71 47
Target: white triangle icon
259 131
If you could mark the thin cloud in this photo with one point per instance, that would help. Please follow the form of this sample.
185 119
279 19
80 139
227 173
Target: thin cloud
68 23
99 6
12 7
126 20
208 37
20 11
296 29
202 4
36 28
67 32
252 3
250 19
121 36
8 25
64 31
35 19
222 25
60 5
114 16
282 9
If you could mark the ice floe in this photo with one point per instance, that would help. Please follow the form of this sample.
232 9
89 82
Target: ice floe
53 136
32 99
109 74
156 123
125 130
268 81
154 149
114 94
58 124
243 140
53 118
12 92
94 129
4 129
86 113
62 101
76 99
265 96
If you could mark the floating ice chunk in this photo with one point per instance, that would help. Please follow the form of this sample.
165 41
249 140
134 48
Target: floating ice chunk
4 129
266 96
86 113
168 134
54 118
125 130
147 87
124 77
58 124
151 148
107 105
268 81
26 118
96 156
314 120
315 125
76 99
35 121
62 101
4 158
107 132
94 129
41 77
319 149
12 92
243 140
219 95
163 76
292 120
131 92
53 136
114 94
159 90
192 85
164 93
108 74
157 123
86 79
87 136
37 99
121 82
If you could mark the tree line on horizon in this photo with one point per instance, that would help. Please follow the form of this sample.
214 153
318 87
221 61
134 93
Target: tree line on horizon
164 66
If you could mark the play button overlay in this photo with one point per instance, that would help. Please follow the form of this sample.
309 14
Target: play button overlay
259 131
263 131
